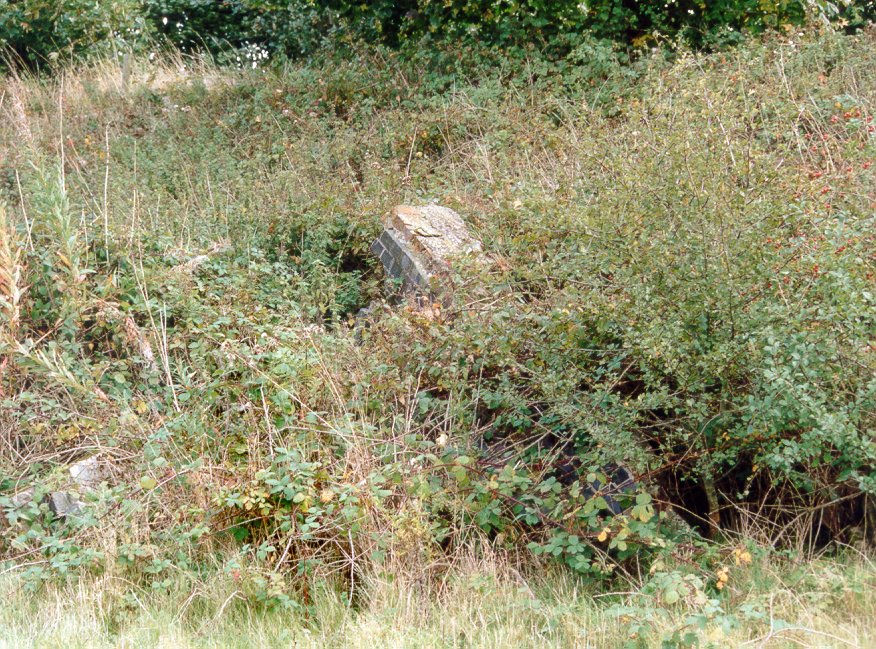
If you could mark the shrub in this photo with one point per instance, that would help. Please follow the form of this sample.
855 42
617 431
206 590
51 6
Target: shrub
42 32
38 31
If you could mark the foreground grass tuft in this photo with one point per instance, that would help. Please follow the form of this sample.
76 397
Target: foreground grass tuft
480 603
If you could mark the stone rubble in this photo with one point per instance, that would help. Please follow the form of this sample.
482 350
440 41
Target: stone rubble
86 476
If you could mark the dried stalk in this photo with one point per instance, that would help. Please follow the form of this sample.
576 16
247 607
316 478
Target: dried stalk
11 290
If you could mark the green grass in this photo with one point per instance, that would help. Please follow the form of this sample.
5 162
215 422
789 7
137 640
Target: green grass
480 603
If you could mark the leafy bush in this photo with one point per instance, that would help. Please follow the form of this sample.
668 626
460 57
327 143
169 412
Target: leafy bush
517 23
40 32
297 26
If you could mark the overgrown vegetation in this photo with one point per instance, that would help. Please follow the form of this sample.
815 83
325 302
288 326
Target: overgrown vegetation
681 281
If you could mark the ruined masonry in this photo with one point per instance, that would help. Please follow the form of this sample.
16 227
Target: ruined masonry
418 243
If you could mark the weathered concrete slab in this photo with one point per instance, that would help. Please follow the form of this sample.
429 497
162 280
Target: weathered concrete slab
419 244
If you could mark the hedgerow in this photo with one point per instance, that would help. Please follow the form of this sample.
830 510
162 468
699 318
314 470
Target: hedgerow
40 33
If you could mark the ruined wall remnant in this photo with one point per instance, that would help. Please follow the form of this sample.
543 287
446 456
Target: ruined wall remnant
418 244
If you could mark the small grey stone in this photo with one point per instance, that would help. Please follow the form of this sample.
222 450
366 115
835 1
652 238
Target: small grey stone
22 498
87 473
63 504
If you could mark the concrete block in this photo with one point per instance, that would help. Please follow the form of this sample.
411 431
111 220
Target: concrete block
418 245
